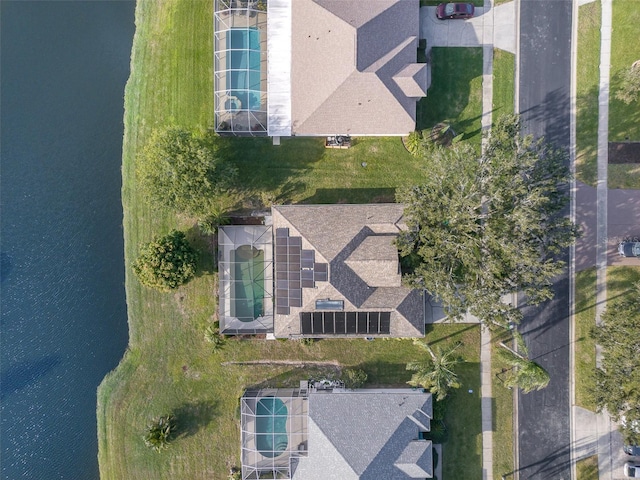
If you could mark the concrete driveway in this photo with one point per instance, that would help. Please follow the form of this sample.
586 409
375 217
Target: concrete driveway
489 26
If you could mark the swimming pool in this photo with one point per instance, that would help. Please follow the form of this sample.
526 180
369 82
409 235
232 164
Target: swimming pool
247 283
243 66
271 427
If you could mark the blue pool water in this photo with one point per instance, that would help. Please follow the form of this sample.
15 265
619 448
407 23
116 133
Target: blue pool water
243 66
271 427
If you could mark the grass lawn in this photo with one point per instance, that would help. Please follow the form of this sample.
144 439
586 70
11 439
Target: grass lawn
624 120
504 65
168 367
587 90
455 94
587 468
585 346
503 461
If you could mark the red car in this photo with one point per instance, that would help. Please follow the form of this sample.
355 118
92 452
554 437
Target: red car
446 11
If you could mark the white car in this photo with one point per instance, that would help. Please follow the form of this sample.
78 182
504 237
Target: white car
632 470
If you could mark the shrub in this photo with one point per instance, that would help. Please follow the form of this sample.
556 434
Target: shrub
354 377
166 262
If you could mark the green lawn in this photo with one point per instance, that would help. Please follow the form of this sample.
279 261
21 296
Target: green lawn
455 94
168 366
504 64
585 347
587 468
624 120
503 461
588 76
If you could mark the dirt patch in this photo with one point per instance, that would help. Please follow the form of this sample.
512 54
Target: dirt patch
624 152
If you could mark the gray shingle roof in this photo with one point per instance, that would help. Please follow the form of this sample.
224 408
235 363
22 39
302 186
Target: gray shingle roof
349 67
357 243
365 435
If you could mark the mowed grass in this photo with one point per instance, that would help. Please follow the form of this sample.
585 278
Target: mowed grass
624 120
504 66
455 95
587 90
585 346
503 461
587 468
168 367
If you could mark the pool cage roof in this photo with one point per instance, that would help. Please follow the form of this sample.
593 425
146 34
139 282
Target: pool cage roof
240 67
268 408
232 290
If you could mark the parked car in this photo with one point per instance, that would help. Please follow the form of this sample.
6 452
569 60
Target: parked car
632 470
629 248
632 450
446 11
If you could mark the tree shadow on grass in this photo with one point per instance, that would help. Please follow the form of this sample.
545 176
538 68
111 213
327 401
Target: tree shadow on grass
453 70
263 167
205 245
352 195
194 416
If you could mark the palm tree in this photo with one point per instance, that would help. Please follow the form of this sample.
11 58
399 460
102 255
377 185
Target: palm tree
524 374
160 432
435 373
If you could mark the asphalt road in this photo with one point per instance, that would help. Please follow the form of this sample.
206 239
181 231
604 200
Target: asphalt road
545 74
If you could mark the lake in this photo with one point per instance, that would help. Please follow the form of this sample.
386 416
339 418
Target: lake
63 323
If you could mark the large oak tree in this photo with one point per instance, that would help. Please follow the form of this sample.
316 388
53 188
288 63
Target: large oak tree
482 227
618 377
182 171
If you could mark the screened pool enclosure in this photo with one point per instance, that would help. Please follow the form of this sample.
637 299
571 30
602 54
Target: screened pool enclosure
274 432
245 269
240 66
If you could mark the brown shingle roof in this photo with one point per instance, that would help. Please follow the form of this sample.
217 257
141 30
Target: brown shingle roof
355 241
345 55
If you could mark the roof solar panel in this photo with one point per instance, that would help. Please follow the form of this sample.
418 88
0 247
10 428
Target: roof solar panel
281 310
308 258
340 322
295 241
351 322
281 249
282 232
385 322
363 324
317 322
305 323
295 302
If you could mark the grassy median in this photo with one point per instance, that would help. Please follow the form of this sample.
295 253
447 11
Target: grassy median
587 90
168 367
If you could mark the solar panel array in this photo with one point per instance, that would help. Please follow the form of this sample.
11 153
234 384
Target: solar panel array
295 269
345 323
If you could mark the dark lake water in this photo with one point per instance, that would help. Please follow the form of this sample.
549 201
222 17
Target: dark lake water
64 65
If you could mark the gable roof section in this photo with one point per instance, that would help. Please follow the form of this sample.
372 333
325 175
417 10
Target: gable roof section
348 238
370 432
345 54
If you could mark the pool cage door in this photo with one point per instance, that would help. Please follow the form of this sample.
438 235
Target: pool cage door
240 67
274 432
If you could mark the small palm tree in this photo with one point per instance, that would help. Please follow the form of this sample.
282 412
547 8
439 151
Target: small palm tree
160 432
435 373
524 374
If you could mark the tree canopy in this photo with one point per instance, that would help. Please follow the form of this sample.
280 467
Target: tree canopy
482 227
183 172
166 262
524 374
618 377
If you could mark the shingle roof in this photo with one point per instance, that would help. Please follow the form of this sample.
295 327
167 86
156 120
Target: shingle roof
349 67
357 243
365 435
